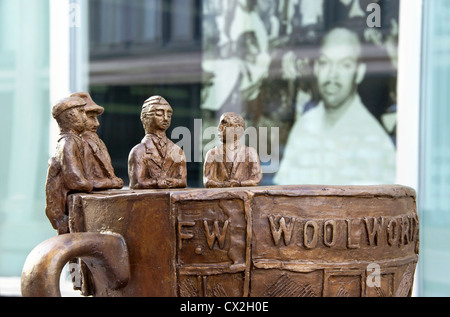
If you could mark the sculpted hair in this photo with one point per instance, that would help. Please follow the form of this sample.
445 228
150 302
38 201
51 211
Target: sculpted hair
235 119
150 103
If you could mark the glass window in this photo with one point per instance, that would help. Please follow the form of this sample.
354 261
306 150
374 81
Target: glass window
24 128
164 61
434 202
268 61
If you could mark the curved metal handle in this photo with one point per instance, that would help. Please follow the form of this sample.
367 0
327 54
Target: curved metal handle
42 269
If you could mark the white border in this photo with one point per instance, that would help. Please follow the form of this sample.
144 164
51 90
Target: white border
59 60
409 99
409 92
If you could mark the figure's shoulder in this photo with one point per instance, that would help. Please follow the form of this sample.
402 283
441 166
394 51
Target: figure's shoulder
214 152
137 149
69 142
173 145
66 138
91 138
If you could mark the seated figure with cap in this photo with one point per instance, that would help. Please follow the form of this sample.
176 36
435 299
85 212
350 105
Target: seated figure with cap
156 162
97 159
67 171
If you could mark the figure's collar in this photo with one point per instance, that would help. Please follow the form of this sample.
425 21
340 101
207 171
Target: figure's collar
156 136
232 146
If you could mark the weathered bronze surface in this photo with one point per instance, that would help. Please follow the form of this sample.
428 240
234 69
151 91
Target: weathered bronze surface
97 160
231 164
66 172
106 252
81 162
250 241
157 162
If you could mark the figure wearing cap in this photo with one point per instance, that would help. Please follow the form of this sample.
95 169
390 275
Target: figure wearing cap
98 164
156 162
66 172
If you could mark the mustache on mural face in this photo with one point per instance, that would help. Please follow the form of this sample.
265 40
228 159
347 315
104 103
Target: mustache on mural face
332 86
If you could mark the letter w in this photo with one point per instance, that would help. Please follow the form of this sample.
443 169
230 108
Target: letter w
283 229
211 237
374 230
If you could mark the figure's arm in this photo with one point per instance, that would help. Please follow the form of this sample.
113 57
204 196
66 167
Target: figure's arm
208 172
177 171
136 171
115 182
181 181
72 167
255 172
55 208
103 159
108 183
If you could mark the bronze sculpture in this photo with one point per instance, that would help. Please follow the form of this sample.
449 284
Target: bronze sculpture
244 240
231 164
157 162
97 160
66 172
250 242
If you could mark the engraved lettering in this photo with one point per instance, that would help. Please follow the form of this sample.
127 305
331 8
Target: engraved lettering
416 233
374 230
350 243
344 233
393 232
284 229
217 234
184 236
404 236
413 227
329 229
310 234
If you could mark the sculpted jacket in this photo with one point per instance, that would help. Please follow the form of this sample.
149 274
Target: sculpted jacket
147 166
98 162
244 167
66 173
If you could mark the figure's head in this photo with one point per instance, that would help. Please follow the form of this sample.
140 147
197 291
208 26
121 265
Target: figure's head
92 111
231 127
70 114
339 69
156 114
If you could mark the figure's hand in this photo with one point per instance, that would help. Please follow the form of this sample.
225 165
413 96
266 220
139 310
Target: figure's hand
225 184
117 183
163 184
170 182
235 183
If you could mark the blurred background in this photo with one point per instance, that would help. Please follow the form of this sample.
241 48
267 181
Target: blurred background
207 57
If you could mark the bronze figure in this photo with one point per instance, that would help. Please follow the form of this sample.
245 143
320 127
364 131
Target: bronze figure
156 162
97 160
66 172
231 164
